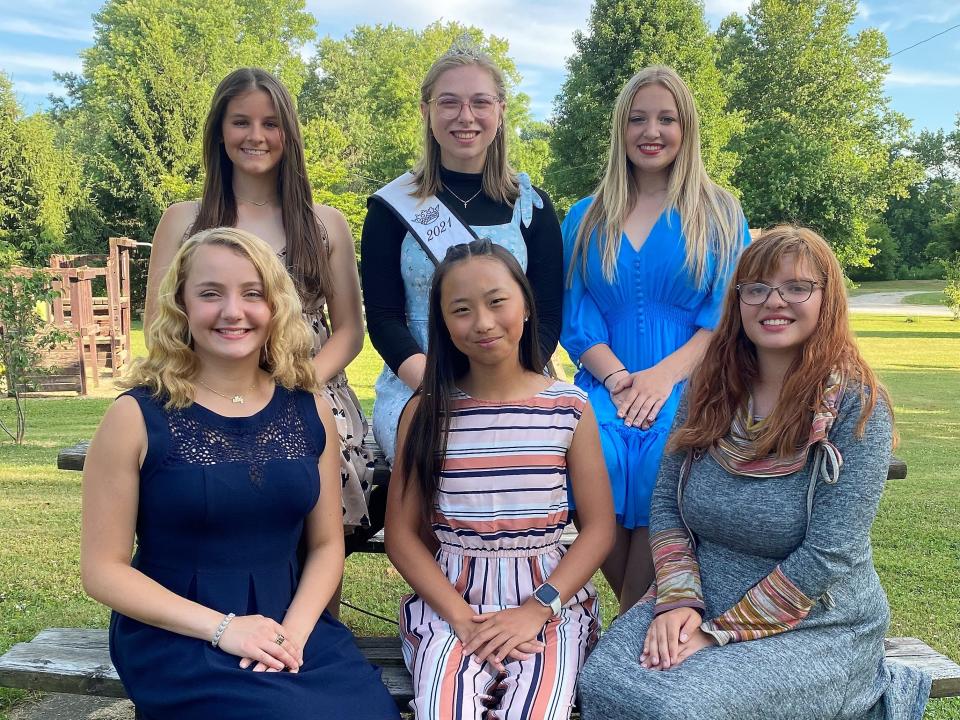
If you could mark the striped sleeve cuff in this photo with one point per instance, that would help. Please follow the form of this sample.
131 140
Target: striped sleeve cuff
772 606
677 571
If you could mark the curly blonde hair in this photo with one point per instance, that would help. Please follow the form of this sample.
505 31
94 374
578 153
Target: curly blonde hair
171 364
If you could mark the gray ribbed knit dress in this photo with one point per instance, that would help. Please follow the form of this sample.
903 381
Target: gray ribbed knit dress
831 665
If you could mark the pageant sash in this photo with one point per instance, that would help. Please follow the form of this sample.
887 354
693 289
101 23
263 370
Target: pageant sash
429 220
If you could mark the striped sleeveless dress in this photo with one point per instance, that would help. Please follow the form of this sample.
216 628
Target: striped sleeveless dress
499 513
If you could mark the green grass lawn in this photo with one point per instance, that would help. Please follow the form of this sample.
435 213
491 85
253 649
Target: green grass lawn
897 286
916 537
926 298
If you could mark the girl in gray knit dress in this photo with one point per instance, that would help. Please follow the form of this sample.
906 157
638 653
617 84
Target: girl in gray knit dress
766 603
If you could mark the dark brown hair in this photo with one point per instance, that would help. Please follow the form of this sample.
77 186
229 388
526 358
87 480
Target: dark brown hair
306 237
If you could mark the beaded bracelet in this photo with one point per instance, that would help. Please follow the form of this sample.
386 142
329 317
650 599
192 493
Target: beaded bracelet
604 381
221 628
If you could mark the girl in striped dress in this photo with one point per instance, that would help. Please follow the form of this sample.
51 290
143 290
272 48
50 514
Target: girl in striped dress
503 616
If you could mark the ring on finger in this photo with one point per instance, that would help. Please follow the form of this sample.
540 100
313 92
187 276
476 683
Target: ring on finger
279 639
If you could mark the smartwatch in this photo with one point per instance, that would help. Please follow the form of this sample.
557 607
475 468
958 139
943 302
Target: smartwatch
548 596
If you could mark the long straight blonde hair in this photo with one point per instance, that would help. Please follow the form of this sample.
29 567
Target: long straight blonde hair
710 216
499 179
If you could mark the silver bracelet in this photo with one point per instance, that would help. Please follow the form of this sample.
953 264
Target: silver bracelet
221 628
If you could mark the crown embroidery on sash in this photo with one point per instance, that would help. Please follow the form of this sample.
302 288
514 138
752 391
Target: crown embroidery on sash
427 216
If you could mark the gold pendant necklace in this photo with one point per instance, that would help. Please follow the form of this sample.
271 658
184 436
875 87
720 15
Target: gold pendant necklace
461 199
237 399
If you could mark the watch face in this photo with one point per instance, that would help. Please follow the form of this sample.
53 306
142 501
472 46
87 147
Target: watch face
546 593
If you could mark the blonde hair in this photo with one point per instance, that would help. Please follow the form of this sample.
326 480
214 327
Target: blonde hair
171 363
710 216
499 179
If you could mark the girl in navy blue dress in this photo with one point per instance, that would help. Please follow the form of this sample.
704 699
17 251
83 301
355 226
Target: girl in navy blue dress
647 258
216 461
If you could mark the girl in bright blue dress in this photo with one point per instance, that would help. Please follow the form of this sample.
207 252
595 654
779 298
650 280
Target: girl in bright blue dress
217 461
647 260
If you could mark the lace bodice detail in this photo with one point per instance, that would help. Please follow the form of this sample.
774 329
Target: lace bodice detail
198 436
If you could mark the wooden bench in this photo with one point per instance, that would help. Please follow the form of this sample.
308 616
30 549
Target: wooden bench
71 458
77 661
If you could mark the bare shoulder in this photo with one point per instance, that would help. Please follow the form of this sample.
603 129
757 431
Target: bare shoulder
338 231
406 415
181 213
122 431
324 410
175 222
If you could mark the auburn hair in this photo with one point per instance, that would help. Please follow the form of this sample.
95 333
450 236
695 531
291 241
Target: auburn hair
720 386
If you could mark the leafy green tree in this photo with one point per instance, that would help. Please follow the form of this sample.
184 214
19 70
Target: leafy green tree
9 114
39 183
885 262
368 85
327 150
624 36
912 218
820 142
946 237
952 290
137 110
24 337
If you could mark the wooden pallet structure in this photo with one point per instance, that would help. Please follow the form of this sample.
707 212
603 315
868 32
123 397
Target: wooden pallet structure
92 303
102 321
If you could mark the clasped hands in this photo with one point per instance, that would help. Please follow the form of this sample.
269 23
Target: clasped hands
509 634
672 637
254 639
639 396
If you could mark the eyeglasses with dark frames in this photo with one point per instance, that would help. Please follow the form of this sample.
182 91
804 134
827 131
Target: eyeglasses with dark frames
792 291
450 106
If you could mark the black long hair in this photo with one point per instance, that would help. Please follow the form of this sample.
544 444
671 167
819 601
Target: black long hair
426 440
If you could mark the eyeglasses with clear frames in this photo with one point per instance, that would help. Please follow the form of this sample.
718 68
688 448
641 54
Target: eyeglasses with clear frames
792 291
450 106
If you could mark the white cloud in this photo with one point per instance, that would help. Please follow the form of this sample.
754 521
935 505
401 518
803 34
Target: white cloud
13 61
28 87
722 8
900 16
922 78
540 33
20 26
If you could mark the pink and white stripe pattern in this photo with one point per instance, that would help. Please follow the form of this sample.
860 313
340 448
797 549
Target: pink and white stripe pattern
499 514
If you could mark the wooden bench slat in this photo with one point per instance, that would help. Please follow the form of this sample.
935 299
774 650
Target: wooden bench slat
63 669
77 660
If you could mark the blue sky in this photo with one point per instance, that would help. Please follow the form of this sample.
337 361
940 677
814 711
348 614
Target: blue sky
46 36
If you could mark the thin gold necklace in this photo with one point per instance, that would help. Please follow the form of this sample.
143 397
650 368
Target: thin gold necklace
450 190
252 202
237 399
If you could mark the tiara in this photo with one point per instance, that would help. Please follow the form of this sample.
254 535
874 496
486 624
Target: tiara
465 46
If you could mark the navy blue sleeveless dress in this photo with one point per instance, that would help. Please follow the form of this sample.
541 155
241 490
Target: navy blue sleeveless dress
222 506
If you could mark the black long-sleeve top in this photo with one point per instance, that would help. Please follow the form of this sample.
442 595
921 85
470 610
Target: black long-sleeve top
383 291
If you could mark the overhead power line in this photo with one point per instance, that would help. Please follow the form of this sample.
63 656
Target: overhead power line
911 47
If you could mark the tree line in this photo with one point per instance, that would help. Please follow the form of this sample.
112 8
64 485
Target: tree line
793 117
